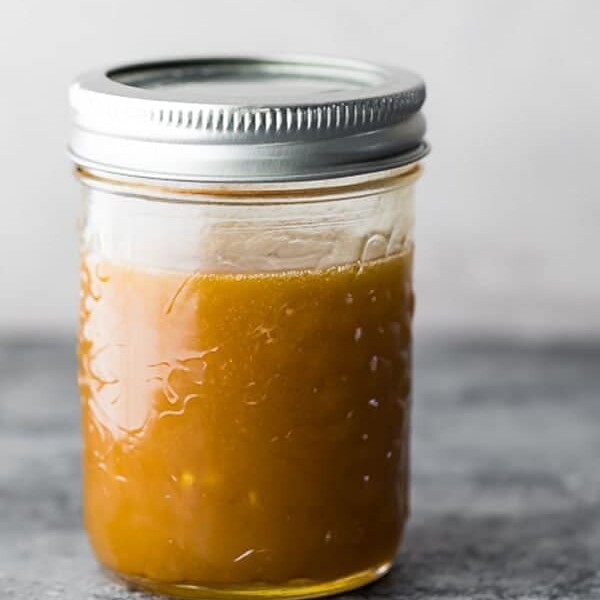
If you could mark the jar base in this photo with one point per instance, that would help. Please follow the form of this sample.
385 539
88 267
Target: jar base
293 590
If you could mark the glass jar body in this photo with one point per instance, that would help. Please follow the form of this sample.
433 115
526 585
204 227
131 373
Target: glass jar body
244 363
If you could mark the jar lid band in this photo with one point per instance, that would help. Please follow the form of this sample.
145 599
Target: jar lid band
234 119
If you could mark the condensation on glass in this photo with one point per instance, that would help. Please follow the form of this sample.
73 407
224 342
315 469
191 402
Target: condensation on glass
245 321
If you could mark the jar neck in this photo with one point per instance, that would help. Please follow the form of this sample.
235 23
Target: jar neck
295 192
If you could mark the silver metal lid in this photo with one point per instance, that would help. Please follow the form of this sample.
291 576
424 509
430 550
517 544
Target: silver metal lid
247 119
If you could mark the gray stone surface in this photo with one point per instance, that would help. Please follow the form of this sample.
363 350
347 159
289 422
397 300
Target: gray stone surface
506 495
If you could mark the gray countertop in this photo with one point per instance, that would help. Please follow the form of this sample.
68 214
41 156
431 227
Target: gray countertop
506 476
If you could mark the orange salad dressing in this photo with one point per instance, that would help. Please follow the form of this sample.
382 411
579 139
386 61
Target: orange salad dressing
245 429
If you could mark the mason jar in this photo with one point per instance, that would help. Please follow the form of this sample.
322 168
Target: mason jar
245 321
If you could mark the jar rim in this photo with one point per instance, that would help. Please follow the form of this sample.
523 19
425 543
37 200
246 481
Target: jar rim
248 193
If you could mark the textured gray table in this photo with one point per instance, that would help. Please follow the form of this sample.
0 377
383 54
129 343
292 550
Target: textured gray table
506 500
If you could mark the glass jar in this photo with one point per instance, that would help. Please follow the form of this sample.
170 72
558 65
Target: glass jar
245 330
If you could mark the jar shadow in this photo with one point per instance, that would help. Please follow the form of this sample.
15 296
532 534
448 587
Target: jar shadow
552 555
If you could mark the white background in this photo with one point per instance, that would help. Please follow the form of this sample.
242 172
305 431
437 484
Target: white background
508 209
